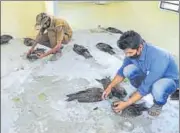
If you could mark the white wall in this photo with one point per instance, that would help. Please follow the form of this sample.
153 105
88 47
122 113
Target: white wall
49 5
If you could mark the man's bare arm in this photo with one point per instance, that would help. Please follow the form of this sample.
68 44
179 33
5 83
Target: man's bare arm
117 79
41 32
59 43
134 98
35 42
53 50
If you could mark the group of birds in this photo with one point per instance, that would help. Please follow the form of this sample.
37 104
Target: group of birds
93 94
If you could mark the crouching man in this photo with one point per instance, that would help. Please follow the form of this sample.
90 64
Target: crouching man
150 69
53 32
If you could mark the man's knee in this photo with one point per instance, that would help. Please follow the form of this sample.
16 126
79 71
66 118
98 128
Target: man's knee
66 39
134 74
130 70
162 88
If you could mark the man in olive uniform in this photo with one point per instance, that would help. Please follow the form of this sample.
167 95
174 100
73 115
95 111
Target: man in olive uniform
58 32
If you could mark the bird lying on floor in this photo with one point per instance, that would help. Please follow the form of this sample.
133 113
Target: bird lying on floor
29 41
133 110
113 30
118 91
94 94
105 47
5 39
89 95
33 55
81 50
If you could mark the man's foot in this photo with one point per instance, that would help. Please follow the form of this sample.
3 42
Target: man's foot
155 110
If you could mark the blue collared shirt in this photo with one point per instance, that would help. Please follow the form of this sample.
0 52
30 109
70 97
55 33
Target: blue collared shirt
156 63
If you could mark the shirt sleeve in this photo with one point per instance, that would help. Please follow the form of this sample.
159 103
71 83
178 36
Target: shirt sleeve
157 70
126 62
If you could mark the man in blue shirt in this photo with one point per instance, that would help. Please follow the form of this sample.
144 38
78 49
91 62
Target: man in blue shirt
150 69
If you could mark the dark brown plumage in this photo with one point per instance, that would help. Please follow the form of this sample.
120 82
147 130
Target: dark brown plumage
33 55
89 95
114 30
5 39
105 48
29 41
117 91
133 110
81 50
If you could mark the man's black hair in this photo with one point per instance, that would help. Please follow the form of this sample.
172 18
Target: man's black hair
129 39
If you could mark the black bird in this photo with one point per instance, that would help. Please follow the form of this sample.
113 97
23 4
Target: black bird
81 50
114 30
133 110
86 96
5 39
105 47
29 41
33 55
117 91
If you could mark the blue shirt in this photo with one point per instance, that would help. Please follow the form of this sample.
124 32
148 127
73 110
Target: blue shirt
156 63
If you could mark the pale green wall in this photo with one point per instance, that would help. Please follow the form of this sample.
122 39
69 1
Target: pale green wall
18 17
155 25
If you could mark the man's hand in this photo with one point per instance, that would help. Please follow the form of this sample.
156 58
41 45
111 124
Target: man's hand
106 93
32 48
40 55
30 51
52 51
119 106
117 79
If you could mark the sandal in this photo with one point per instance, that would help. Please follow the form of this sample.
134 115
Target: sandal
155 110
